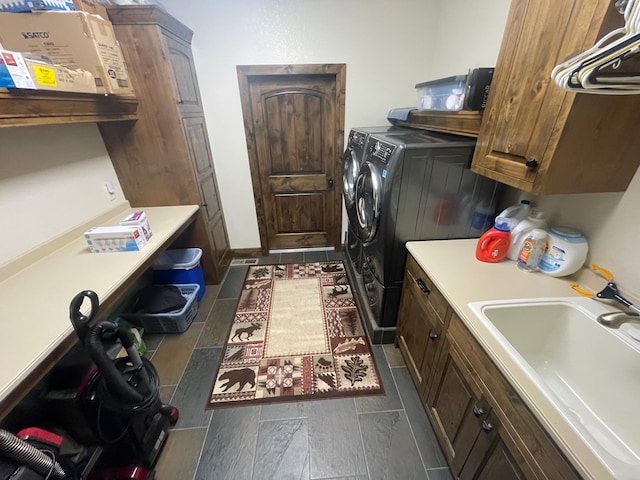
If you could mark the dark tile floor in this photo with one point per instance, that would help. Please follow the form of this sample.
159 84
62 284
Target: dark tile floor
378 437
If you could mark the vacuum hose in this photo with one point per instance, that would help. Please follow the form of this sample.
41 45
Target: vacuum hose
114 379
26 454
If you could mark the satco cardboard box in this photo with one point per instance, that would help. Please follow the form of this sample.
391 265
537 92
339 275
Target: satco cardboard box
33 5
76 40
48 76
24 71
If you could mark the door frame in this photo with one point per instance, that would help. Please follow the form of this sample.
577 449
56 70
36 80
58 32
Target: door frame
245 73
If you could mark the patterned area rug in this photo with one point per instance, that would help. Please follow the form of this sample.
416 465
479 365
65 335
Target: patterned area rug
296 335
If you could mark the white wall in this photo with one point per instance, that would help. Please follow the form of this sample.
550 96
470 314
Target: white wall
468 34
385 47
388 48
51 180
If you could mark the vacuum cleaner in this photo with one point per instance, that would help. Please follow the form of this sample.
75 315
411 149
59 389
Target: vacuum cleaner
120 397
120 401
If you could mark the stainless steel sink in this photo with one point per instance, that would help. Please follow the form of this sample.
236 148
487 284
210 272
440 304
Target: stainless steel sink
590 372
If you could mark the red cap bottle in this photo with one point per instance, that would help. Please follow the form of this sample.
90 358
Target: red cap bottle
494 244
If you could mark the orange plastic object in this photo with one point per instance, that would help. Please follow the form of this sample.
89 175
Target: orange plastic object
493 245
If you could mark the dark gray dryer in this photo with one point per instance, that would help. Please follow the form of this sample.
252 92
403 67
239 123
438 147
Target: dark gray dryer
412 187
352 160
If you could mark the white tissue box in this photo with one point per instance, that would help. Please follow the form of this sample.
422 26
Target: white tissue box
115 239
138 219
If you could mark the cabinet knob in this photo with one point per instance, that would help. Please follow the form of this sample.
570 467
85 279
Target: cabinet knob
434 336
423 286
531 163
486 426
330 183
477 411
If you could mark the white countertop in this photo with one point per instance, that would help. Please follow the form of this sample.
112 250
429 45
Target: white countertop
34 299
452 266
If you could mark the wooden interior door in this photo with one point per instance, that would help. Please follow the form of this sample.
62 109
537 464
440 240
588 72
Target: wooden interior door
294 123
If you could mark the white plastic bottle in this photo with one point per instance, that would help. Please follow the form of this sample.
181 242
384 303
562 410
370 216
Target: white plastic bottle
517 212
532 250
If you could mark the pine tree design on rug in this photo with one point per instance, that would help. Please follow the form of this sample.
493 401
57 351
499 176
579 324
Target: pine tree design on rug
296 335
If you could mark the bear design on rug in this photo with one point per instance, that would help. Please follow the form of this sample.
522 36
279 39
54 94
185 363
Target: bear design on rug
241 377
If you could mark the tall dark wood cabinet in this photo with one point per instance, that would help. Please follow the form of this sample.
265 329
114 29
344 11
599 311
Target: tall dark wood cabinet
164 158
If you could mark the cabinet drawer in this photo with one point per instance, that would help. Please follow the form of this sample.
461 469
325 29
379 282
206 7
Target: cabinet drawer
429 297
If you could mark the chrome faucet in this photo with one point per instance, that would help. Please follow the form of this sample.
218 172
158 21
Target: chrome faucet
615 319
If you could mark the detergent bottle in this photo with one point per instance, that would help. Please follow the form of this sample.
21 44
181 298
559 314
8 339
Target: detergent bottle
494 244
517 213
535 219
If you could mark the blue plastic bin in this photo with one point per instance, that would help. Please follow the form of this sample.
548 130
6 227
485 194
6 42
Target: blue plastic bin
180 267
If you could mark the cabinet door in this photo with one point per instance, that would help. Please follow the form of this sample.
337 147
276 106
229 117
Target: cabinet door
200 152
184 75
533 133
222 251
419 325
490 458
456 406
526 103
416 335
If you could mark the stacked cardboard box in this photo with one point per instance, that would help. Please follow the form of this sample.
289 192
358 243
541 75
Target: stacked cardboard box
76 40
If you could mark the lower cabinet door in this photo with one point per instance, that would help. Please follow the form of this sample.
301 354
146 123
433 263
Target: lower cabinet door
490 458
456 407
412 334
419 328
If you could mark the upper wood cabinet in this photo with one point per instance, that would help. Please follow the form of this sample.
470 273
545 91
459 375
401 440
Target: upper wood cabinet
539 138
184 76
165 158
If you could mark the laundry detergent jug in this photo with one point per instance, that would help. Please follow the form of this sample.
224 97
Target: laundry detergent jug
566 252
494 244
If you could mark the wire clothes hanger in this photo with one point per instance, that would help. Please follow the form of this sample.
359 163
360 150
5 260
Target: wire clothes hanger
591 71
